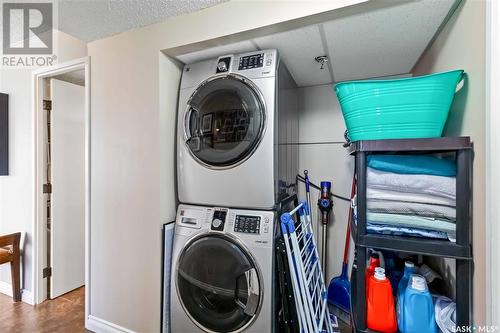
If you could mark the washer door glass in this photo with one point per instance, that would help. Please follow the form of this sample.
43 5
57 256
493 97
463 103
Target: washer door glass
224 121
218 284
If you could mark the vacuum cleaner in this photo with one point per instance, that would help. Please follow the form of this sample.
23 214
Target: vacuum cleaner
325 205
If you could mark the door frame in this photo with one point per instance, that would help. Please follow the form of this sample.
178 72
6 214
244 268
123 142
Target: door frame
39 150
492 162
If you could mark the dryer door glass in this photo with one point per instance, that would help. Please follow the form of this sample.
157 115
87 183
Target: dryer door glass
224 121
218 284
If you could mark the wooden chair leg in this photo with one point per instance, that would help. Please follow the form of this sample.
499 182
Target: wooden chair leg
15 271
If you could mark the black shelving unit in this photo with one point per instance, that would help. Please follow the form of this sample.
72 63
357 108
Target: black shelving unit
461 250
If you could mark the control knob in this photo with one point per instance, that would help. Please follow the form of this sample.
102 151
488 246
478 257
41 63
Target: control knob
221 66
216 223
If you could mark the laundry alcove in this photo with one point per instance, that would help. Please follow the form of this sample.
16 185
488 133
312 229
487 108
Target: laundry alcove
370 40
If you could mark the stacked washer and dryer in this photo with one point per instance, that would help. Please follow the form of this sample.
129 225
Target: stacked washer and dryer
236 162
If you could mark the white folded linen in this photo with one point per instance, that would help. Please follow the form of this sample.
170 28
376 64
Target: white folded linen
382 194
420 184
410 221
413 208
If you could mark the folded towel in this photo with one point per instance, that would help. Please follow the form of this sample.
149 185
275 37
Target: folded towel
421 184
413 164
405 231
403 207
411 221
379 194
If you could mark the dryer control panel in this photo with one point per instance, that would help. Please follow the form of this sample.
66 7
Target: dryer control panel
251 61
256 64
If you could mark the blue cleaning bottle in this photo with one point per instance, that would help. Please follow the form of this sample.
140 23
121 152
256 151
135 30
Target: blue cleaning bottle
409 270
403 283
417 307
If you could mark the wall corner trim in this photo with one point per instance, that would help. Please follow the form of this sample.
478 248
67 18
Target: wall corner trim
99 325
26 295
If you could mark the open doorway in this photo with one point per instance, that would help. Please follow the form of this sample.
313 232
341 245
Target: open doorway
65 187
62 181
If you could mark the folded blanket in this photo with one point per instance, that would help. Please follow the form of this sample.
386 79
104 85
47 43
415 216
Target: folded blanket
411 221
413 164
404 231
380 194
420 184
414 208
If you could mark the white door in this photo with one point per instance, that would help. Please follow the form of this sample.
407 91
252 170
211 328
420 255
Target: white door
67 240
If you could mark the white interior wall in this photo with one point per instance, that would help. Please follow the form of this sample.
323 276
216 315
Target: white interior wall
16 189
321 136
132 177
492 162
16 198
462 44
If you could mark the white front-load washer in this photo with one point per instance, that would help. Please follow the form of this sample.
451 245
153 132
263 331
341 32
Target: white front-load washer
237 131
222 265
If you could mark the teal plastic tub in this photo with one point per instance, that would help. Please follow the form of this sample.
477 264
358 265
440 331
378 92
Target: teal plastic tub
398 109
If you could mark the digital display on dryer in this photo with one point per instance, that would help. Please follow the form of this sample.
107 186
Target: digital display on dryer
251 61
247 224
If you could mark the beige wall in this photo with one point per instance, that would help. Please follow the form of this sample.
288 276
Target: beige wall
462 45
16 190
133 185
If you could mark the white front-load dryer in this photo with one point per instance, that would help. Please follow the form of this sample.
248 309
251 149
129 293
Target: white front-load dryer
237 122
221 276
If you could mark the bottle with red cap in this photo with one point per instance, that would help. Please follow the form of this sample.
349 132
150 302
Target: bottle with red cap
380 311
374 263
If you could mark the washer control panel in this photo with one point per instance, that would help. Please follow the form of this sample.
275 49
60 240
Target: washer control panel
247 224
251 61
218 219
253 227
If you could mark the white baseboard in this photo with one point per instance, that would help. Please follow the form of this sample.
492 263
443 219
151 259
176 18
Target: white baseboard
26 295
99 325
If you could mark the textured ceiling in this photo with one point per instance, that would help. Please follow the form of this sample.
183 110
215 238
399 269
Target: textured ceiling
372 42
89 20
